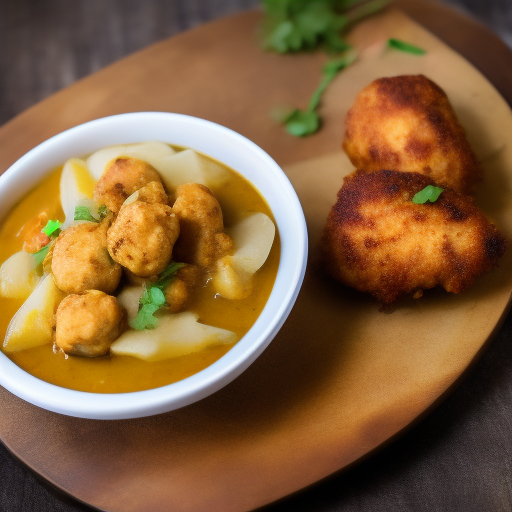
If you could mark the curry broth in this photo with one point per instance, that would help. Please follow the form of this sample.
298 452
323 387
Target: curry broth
119 374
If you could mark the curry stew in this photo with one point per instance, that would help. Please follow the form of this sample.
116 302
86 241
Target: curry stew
113 373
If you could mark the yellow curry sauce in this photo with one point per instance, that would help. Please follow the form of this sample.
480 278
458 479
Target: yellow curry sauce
119 374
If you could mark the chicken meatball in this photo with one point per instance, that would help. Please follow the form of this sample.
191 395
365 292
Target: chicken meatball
178 292
202 240
142 237
406 123
152 193
80 259
121 178
378 241
88 323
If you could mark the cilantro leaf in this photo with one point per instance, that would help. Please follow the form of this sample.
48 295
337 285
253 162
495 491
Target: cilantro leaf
429 193
40 255
52 228
83 213
145 318
302 122
406 47
153 298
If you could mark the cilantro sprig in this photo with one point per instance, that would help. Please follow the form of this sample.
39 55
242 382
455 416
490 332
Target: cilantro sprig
153 298
429 193
83 213
397 44
295 25
305 122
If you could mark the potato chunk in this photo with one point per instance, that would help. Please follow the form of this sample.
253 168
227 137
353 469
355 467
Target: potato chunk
81 262
142 237
253 238
122 177
174 336
88 323
202 240
32 325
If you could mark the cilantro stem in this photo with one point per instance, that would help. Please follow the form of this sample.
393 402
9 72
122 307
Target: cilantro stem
306 122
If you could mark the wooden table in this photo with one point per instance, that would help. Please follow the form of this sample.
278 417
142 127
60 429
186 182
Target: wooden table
459 457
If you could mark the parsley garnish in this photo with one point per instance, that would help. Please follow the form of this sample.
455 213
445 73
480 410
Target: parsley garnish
295 25
52 228
405 47
153 298
83 213
305 122
429 193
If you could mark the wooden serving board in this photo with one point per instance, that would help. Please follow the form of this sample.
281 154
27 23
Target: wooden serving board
341 378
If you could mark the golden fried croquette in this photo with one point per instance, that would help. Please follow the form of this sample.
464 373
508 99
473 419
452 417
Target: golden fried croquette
80 260
121 178
142 237
88 323
378 241
406 123
202 240
178 292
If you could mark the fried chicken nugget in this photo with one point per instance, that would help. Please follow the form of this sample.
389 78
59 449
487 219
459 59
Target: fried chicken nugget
80 260
406 123
202 239
142 237
121 178
378 241
88 323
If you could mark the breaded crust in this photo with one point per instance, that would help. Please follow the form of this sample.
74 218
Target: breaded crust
406 123
378 241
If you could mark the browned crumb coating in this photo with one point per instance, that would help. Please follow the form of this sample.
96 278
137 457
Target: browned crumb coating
121 178
80 260
202 240
88 323
179 291
153 193
142 237
406 123
378 241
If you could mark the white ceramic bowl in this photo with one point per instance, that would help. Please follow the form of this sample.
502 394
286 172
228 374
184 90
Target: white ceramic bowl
226 146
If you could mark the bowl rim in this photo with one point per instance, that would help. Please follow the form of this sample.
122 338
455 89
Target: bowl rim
290 275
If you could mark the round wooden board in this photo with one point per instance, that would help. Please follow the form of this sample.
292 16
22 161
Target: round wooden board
341 378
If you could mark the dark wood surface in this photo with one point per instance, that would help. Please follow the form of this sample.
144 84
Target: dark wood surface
458 458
